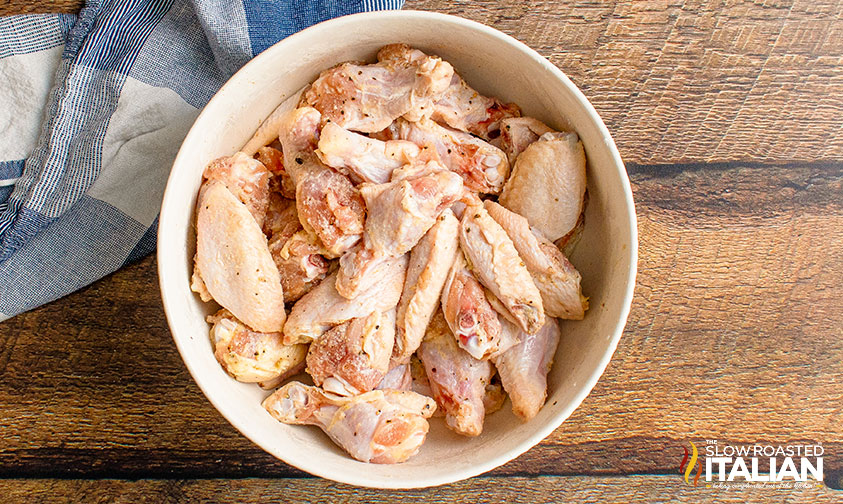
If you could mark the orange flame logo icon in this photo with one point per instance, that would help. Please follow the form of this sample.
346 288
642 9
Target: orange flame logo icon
690 468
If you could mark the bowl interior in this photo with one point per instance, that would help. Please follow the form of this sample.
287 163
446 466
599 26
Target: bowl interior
494 64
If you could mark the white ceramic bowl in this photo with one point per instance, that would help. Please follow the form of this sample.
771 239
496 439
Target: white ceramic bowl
494 64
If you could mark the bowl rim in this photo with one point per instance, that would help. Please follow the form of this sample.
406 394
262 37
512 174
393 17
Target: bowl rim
312 466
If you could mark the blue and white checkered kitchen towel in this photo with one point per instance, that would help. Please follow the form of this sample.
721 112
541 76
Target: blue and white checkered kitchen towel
93 109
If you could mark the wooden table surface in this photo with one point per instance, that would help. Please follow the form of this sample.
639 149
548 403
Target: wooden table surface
729 115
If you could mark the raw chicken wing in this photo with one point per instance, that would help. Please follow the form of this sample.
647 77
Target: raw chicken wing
282 218
463 108
246 178
523 368
547 185
323 307
233 264
327 202
483 166
473 321
496 263
251 356
458 380
430 262
280 182
460 107
381 426
296 253
353 357
364 159
401 212
300 263
367 98
361 269
557 279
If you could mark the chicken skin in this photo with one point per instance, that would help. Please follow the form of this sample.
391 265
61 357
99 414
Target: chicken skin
483 166
327 202
368 98
519 132
463 108
381 426
362 269
458 380
472 320
246 178
557 279
297 253
548 183
401 212
233 264
353 357
362 158
460 106
430 262
280 182
250 356
399 377
493 259
323 308
300 263
523 368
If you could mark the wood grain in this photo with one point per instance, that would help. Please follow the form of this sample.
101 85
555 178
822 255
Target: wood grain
692 80
13 7
734 335
518 490
729 114
680 81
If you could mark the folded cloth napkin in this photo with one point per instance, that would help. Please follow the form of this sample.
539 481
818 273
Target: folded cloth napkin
93 109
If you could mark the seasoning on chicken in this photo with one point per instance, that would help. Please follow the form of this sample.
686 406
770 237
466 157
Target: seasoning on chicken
367 98
400 213
381 426
557 279
353 357
233 264
362 158
430 262
250 356
463 108
327 202
547 185
297 253
493 259
323 307
458 380
483 166
361 269
300 263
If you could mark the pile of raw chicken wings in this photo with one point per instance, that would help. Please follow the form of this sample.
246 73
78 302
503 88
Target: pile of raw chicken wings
398 237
